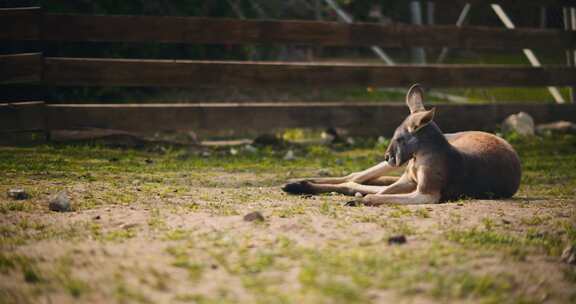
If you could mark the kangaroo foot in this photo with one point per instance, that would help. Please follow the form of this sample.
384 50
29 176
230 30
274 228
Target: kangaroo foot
302 187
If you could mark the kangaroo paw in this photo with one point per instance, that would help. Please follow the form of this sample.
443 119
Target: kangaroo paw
302 187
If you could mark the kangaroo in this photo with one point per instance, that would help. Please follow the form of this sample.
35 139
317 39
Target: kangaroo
439 167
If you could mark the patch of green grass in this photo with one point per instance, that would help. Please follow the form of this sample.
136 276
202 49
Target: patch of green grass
27 266
126 294
119 235
26 231
160 280
490 239
31 274
338 290
401 227
337 275
10 206
329 209
490 288
291 210
190 298
182 260
177 235
422 212
155 220
547 164
400 211
533 221
488 223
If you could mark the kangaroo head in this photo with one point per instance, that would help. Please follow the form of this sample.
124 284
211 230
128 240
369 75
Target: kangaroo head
408 135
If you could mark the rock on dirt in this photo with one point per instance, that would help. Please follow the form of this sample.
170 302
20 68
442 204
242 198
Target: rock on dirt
521 123
397 240
558 127
569 255
254 217
18 194
60 203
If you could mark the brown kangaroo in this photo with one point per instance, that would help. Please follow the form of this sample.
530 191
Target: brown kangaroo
440 167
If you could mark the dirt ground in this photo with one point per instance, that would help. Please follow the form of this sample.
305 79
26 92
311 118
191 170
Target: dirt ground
168 226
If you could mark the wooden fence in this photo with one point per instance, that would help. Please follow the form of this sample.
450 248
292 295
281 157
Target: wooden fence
32 24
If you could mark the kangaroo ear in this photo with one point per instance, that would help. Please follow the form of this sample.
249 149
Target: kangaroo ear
415 98
421 119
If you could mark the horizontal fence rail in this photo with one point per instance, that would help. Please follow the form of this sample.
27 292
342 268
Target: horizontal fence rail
362 119
184 73
517 3
234 31
21 68
253 119
169 73
31 24
20 23
22 116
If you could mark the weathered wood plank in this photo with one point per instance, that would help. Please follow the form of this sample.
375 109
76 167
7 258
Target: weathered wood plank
20 68
180 73
20 23
233 31
251 119
22 116
510 3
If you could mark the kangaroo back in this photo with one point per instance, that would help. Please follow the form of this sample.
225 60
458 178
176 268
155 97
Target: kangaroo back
489 167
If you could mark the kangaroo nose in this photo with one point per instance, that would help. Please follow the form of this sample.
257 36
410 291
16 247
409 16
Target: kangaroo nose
386 157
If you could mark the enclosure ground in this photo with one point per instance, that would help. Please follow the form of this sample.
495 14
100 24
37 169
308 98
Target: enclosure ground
166 226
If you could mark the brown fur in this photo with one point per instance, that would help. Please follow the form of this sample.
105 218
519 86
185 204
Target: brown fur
488 167
439 167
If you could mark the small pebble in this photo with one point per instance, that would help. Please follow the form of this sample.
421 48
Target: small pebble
60 203
18 194
358 194
97 217
397 240
254 216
